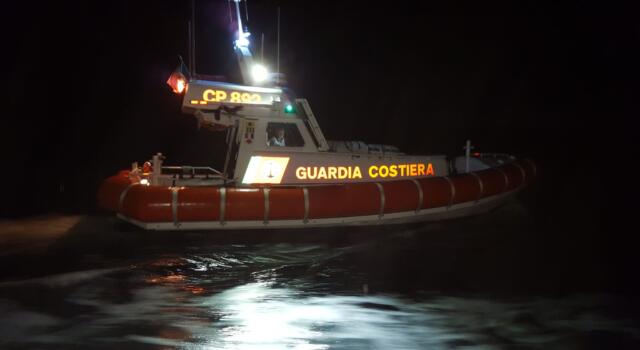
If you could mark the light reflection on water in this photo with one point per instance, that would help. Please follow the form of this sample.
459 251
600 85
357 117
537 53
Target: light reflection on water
255 316
258 316
165 312
280 297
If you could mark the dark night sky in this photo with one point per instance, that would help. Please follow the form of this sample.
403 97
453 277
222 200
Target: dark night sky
555 82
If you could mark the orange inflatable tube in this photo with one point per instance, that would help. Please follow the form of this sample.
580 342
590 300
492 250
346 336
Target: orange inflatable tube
123 194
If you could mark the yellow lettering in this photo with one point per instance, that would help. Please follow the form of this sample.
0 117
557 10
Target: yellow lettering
356 173
322 173
420 169
402 167
343 172
430 169
315 173
412 167
235 97
212 95
393 171
373 171
333 172
209 95
301 173
384 171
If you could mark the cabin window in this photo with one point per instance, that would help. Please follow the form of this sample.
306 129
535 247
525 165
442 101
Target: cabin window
284 135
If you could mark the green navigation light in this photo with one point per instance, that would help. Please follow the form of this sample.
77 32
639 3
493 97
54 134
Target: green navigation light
288 108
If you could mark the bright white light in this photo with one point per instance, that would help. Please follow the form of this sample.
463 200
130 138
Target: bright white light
243 40
180 85
259 73
265 170
144 182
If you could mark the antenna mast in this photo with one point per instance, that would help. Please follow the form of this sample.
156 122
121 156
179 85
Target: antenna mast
262 49
278 49
252 73
192 39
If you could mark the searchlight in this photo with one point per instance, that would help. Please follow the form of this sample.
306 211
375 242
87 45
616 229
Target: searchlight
259 73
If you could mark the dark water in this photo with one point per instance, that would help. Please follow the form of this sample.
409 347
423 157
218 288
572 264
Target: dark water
471 284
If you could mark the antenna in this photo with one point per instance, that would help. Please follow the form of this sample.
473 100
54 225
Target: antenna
190 51
262 49
240 30
192 54
278 54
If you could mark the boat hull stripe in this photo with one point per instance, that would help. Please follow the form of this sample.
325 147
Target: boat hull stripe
174 205
420 195
524 176
305 192
481 184
506 179
382 199
124 194
265 192
453 191
223 204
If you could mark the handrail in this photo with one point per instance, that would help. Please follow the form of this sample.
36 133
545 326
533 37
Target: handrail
182 167
494 155
193 171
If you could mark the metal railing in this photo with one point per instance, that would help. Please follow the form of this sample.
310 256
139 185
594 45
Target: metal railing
494 155
193 172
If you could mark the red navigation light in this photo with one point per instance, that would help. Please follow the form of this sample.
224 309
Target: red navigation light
178 82
180 85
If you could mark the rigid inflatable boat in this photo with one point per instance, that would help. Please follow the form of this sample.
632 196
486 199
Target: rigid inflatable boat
281 172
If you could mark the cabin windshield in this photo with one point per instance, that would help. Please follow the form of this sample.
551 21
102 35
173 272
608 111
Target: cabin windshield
284 135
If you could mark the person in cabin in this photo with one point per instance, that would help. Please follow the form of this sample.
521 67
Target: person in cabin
278 139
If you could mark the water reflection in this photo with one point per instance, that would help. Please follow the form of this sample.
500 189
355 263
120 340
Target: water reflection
282 296
257 316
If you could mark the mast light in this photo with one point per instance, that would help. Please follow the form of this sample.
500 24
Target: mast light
243 39
259 73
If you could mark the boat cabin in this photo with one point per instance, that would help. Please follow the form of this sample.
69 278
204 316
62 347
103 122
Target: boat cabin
274 138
